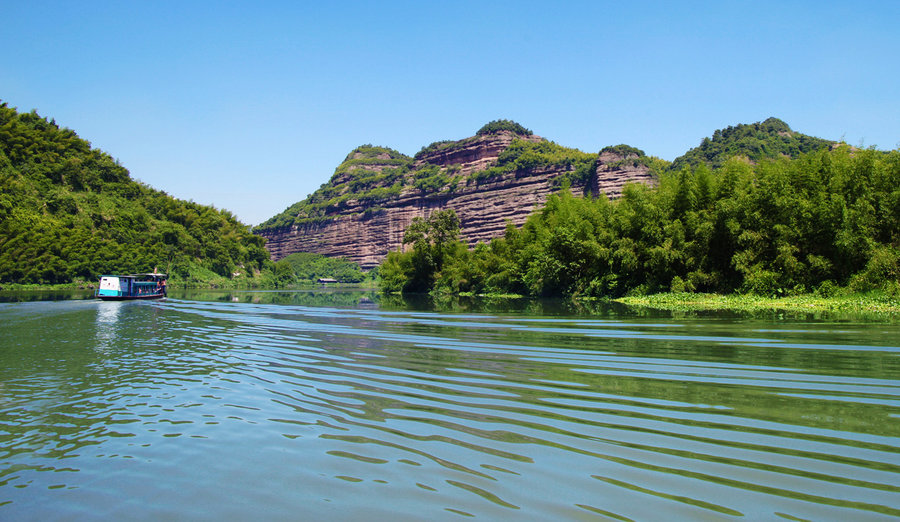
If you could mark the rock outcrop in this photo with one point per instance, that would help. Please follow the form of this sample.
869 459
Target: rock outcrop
472 154
617 166
471 176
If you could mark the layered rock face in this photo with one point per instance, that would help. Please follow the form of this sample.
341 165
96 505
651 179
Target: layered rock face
615 169
472 154
365 232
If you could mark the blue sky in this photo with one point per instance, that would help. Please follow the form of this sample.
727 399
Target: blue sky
249 106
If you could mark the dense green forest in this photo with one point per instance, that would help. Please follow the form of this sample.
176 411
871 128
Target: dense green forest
826 221
306 267
756 141
69 212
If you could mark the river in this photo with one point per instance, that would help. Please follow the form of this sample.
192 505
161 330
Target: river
345 406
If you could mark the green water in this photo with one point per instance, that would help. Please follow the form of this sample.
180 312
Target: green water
344 405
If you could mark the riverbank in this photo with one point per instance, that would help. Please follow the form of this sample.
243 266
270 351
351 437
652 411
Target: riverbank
875 302
75 285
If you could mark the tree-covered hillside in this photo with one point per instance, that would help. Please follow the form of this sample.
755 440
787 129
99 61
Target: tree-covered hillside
768 139
69 212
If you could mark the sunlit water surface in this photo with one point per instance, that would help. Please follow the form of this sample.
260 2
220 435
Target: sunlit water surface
197 409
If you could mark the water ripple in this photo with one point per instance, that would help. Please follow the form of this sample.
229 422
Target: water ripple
267 410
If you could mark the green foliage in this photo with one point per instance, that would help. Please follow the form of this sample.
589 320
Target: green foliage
369 160
431 178
306 266
374 154
69 212
503 125
433 241
826 220
284 274
523 156
756 141
434 147
633 157
869 306
623 150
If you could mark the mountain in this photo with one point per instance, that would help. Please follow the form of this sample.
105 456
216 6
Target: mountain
70 212
767 139
500 175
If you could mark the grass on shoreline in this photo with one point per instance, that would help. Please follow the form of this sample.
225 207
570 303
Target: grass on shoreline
875 302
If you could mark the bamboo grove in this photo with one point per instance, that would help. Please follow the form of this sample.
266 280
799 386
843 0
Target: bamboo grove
824 222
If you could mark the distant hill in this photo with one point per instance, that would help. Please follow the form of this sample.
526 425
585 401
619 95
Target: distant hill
70 212
768 139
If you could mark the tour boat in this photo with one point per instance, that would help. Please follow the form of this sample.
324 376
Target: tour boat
135 286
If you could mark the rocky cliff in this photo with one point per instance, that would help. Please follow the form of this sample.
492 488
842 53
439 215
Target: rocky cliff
489 179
